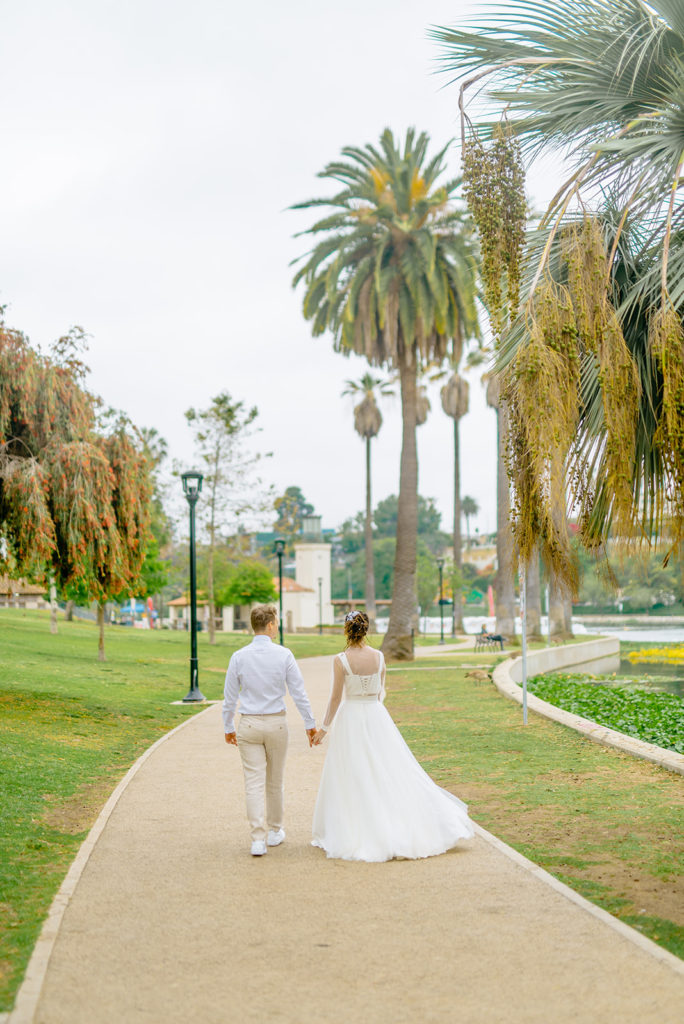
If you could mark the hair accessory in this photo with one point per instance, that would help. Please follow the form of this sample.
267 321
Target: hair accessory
351 616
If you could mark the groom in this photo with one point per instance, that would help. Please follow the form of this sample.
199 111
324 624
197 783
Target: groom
258 674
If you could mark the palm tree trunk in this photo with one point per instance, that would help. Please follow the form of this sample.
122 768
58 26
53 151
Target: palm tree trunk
504 593
101 625
533 603
368 543
457 613
398 642
558 612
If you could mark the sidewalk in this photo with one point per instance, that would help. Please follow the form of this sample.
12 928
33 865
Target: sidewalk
173 921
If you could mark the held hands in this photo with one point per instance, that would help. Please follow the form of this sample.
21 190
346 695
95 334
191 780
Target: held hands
231 737
311 733
318 738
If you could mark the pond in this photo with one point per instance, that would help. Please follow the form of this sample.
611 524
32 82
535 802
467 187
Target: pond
666 678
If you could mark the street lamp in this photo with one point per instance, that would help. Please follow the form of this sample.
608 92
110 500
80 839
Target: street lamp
320 605
192 485
440 566
279 549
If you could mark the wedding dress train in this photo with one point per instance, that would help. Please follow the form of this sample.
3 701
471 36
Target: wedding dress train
375 802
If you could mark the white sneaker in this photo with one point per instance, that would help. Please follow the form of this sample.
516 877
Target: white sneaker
276 838
258 848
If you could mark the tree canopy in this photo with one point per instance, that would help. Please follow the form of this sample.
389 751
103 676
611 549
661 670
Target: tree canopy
593 362
74 481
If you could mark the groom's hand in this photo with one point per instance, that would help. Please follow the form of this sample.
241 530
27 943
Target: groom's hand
231 737
311 733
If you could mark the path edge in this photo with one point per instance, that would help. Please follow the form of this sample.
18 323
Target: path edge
626 931
29 992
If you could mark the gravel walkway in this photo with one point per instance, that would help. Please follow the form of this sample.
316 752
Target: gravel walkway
173 921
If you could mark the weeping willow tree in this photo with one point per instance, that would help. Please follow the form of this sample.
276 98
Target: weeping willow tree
392 276
74 487
592 358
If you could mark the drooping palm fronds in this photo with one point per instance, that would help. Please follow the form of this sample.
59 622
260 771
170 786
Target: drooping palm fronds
601 82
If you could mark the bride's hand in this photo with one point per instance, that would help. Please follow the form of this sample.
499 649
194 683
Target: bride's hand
319 737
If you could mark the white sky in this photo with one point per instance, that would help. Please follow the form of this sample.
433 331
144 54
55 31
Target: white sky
150 150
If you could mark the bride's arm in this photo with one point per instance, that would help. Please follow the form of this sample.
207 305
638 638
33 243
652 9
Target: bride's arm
335 699
383 691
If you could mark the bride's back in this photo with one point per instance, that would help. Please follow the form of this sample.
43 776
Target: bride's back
363 661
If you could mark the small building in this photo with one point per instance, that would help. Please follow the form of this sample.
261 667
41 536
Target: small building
20 594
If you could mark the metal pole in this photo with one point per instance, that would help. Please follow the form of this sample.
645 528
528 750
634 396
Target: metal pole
280 594
523 623
194 693
320 605
441 605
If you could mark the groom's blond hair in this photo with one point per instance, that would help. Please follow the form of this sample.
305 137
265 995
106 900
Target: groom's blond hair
261 615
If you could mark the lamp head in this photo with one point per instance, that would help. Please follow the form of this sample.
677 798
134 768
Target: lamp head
440 563
279 546
192 483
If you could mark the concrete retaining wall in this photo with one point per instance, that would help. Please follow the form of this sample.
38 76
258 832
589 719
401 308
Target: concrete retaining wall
595 657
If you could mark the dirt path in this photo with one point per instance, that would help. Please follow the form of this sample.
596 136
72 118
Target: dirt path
173 921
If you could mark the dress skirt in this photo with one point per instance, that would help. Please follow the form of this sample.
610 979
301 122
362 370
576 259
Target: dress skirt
375 802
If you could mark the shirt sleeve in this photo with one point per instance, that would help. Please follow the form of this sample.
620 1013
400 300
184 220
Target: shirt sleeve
295 684
231 691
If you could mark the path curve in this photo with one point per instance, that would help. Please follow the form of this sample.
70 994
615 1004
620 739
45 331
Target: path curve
173 921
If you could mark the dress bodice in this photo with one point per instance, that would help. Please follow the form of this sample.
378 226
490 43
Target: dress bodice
357 686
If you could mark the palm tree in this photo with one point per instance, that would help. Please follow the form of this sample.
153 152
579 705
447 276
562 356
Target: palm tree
392 276
367 423
469 507
422 405
599 81
454 397
505 563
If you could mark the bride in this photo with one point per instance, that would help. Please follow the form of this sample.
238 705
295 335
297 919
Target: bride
375 802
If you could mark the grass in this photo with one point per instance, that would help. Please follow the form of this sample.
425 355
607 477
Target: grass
70 727
608 825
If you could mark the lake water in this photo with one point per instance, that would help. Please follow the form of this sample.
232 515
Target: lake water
669 678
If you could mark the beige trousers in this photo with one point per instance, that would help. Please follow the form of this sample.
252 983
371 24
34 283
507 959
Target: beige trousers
262 741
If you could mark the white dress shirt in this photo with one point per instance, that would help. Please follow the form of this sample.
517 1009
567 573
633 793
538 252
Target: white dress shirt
257 675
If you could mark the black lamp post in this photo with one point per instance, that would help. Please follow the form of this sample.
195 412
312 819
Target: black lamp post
279 549
192 485
440 566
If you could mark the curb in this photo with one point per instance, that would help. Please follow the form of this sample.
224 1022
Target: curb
627 932
668 759
26 1002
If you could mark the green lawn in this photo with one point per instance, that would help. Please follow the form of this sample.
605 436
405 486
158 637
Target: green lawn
609 825
70 727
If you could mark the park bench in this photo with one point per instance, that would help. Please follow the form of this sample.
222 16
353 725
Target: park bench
486 642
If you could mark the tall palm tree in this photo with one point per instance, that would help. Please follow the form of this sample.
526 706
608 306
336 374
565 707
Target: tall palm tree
392 275
601 82
367 423
504 590
454 397
469 507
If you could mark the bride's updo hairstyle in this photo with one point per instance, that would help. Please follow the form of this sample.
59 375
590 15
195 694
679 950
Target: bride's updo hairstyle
355 628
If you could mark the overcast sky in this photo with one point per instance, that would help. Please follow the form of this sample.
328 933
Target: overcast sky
150 152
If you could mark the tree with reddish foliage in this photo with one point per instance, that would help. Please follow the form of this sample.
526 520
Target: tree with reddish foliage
74 487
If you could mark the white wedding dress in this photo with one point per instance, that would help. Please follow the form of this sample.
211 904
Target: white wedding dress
375 802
